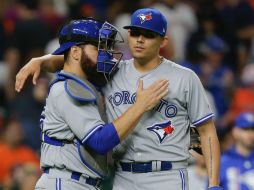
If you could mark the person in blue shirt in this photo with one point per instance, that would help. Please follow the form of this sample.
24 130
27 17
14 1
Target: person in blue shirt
237 164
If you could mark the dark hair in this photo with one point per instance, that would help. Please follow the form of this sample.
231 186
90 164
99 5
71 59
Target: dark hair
29 4
66 53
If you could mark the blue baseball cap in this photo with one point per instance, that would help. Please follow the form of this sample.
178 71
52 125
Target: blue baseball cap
78 32
216 44
245 120
149 19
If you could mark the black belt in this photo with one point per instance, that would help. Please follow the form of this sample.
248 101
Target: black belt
144 167
96 182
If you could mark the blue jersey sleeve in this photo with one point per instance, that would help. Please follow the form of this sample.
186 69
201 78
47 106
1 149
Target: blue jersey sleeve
103 139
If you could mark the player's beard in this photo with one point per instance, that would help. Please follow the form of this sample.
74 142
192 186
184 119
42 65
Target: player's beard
93 76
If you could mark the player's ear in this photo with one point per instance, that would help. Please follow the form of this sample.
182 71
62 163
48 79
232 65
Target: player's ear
75 52
164 42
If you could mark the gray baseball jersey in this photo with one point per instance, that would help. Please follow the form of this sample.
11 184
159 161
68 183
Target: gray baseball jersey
69 120
162 133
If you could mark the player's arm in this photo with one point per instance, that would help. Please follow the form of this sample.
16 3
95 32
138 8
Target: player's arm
49 63
146 100
211 151
108 136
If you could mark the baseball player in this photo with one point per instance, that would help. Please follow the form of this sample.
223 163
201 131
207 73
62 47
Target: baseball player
75 139
155 155
237 164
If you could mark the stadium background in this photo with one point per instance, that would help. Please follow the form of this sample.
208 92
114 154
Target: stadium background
215 38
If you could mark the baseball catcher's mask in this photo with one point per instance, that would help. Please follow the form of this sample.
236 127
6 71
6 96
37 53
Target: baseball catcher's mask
108 57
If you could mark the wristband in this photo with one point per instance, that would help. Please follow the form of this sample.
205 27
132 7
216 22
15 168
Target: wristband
215 188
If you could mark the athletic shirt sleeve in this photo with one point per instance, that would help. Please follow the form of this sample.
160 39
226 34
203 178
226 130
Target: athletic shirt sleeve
198 106
82 118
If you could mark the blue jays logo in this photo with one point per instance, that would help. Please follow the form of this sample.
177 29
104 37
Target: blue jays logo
162 130
144 17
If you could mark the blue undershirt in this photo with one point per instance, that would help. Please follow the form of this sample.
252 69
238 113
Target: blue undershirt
103 139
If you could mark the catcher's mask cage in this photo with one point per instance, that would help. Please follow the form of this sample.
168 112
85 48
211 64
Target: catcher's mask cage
108 58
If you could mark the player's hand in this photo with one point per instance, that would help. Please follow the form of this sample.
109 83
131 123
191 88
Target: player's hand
33 68
150 97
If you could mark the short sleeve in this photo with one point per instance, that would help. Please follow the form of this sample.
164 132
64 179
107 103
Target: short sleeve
82 118
198 106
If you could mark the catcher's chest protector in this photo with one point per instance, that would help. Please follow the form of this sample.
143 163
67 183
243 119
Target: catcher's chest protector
73 110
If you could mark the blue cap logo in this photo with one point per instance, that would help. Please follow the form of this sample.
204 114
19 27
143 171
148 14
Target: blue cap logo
148 19
145 17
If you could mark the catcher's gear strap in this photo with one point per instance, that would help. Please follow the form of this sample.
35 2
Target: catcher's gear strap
77 89
52 141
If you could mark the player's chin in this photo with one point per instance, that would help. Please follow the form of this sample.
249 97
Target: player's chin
138 55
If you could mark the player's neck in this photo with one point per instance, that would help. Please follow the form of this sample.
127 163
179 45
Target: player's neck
75 69
146 65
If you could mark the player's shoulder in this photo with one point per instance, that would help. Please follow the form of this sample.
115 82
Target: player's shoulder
57 89
77 89
174 67
125 63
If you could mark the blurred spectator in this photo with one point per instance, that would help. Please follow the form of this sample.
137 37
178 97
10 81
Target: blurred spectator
61 7
30 34
208 24
251 4
197 173
87 8
3 5
10 66
28 105
182 22
2 39
215 75
226 138
24 177
237 26
13 154
28 39
49 15
251 55
30 118
243 97
4 73
237 164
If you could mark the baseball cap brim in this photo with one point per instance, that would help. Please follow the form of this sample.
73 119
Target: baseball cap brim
245 124
64 47
139 27
245 120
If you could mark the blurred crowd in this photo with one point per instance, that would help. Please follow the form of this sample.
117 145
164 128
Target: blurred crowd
215 38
